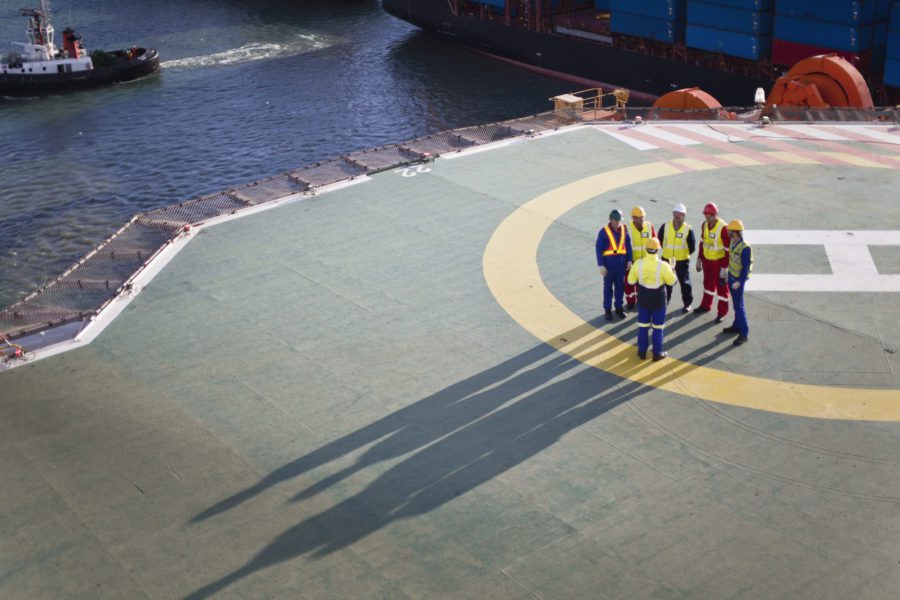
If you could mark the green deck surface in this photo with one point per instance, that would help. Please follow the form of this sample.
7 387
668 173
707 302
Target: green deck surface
325 400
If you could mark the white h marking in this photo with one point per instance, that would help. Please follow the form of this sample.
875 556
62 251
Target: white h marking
852 267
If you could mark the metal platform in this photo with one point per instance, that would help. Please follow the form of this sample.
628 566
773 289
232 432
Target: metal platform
401 389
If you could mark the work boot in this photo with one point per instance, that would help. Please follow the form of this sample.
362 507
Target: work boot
660 356
686 309
642 355
741 339
700 310
609 315
631 307
732 329
719 319
621 313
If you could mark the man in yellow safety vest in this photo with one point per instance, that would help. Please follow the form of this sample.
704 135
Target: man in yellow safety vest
651 274
740 265
677 239
641 231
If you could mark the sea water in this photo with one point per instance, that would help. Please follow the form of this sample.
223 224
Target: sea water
247 89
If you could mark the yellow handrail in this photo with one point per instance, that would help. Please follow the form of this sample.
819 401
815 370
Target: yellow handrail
591 99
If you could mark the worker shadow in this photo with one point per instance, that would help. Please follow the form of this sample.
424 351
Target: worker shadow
612 355
713 331
616 326
625 332
447 444
446 410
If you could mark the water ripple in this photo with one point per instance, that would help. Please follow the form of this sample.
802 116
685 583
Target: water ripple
247 90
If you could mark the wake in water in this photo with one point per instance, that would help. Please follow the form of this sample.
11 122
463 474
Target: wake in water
250 52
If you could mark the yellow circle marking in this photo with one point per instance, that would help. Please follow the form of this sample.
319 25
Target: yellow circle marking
513 276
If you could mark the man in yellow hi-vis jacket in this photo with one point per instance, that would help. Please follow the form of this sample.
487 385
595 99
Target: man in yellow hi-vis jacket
651 276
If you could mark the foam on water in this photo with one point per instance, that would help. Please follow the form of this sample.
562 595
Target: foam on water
301 44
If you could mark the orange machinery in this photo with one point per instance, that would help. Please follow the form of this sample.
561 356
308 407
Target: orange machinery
823 81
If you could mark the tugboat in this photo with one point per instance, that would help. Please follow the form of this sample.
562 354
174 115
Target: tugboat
38 66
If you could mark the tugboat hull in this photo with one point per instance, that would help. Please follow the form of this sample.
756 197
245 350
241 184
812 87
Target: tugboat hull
144 63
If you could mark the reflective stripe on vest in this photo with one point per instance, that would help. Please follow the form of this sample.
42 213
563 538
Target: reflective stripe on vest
734 263
614 248
712 241
675 243
639 239
650 273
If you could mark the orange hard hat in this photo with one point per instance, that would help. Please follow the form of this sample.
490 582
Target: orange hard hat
652 245
711 209
638 211
736 225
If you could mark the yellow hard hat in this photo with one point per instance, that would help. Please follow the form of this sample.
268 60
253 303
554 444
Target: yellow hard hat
652 244
736 225
638 211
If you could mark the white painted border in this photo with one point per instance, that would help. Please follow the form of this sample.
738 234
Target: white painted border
70 336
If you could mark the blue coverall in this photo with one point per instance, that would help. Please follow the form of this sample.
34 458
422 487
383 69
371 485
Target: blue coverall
737 295
614 280
651 300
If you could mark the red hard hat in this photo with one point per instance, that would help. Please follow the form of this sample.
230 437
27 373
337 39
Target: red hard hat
711 209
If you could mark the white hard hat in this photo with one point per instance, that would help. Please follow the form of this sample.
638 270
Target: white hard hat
679 208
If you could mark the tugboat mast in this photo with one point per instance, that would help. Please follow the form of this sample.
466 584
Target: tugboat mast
39 29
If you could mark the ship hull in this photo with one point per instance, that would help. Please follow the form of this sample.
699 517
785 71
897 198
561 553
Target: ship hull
35 85
576 58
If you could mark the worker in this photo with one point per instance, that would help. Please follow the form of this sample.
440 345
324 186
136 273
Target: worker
740 265
712 260
677 239
614 259
640 230
651 274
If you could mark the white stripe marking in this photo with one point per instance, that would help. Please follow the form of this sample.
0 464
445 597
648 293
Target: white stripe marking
751 131
810 131
709 131
873 133
633 142
659 132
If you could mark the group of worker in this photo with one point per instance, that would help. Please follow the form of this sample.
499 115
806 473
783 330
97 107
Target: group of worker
639 267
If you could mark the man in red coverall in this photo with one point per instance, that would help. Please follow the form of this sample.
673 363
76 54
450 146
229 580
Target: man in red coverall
713 255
